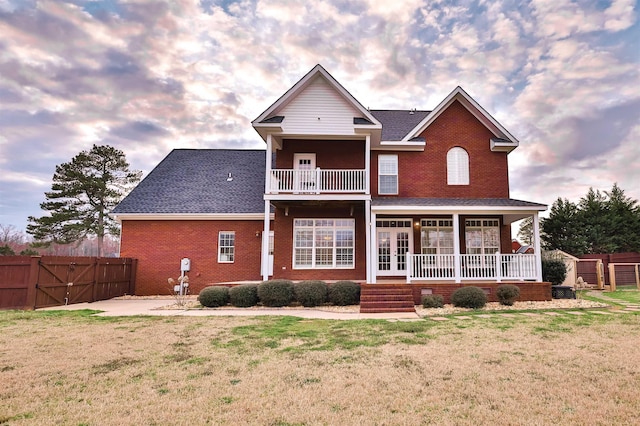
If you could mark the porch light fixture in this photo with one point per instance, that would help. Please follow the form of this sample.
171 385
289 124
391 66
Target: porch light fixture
257 234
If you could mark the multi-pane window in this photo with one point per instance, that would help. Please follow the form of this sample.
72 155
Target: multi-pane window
323 243
457 166
387 174
226 246
436 236
482 236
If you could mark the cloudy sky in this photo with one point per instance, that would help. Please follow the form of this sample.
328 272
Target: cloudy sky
148 76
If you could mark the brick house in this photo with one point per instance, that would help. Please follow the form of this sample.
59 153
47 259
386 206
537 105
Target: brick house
341 192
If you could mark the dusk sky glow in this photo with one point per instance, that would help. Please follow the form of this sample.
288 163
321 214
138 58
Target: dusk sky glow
148 76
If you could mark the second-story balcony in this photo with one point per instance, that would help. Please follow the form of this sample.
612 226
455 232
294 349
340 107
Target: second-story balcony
318 181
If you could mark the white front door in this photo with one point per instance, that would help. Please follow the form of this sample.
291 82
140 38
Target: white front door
304 166
393 246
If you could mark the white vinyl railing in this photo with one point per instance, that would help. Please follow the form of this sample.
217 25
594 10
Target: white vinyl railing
318 181
472 267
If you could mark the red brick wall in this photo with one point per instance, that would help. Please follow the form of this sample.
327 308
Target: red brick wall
283 244
424 174
159 246
346 154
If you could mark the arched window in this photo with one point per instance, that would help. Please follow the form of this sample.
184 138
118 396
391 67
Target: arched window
457 166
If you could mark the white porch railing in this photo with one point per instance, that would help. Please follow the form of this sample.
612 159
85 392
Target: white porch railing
318 181
472 267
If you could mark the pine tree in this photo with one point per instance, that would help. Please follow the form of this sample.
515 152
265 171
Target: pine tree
84 190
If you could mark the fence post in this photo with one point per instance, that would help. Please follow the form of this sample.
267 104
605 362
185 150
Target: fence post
94 283
612 277
132 276
637 277
600 274
32 283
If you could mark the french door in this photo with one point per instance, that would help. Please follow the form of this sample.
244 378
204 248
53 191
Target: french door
393 246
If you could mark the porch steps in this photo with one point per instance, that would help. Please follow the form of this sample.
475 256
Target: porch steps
381 298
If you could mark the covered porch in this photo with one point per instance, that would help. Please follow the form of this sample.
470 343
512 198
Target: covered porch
450 241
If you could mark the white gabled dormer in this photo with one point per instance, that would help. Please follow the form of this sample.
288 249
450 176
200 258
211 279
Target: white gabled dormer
503 140
317 106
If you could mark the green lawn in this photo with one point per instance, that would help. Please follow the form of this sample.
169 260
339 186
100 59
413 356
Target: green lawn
72 368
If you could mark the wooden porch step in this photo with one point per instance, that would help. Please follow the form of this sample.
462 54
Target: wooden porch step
386 298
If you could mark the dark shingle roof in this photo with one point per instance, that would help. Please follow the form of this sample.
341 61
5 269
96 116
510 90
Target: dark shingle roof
195 181
397 123
274 119
454 202
361 120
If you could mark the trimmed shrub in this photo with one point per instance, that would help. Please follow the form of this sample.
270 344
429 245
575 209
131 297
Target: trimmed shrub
275 293
507 294
469 297
244 296
212 297
554 271
343 293
311 293
433 301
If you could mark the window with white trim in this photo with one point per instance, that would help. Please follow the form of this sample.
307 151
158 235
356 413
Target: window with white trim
482 236
226 246
436 236
323 243
457 166
387 174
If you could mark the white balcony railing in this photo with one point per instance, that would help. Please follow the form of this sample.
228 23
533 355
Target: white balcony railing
317 181
472 267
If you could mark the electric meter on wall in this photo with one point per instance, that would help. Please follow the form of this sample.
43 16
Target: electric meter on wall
185 264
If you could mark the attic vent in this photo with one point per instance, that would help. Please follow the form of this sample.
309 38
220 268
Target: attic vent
413 111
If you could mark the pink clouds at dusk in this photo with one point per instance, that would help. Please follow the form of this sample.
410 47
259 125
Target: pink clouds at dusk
149 76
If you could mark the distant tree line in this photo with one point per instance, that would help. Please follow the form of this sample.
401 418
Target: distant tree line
600 222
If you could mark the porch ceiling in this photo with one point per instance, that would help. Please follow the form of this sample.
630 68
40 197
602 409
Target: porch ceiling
510 209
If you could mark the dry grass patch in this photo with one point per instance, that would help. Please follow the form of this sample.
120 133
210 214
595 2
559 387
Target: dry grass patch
74 369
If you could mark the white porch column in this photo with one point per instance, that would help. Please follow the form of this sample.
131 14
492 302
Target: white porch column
267 176
373 260
367 164
536 245
264 264
367 227
456 247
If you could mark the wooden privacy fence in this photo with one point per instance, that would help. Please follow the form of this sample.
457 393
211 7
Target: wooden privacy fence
38 282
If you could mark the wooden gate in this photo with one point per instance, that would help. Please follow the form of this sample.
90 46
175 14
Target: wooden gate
39 282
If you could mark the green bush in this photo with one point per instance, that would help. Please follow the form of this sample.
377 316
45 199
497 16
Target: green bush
343 293
311 293
244 296
275 293
214 296
469 297
433 301
554 271
507 294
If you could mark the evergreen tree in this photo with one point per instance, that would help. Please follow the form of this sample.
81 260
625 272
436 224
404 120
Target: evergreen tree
560 230
84 190
606 222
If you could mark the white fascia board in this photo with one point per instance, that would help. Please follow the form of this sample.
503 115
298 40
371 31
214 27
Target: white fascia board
499 146
455 209
400 146
471 105
188 216
301 84
317 197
